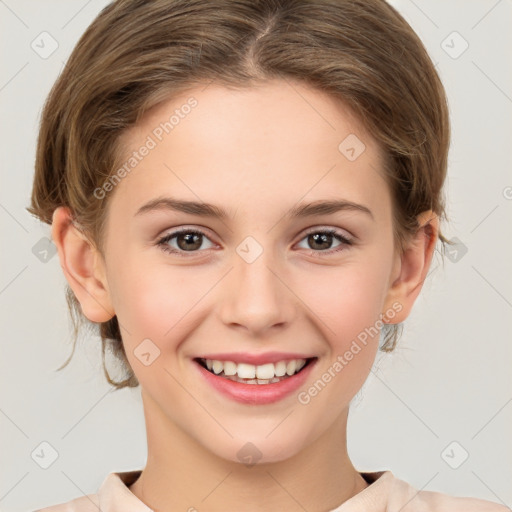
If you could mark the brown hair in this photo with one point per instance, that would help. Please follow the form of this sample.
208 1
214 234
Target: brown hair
137 53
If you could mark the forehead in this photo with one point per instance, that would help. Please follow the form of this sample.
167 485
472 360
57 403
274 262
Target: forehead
284 112
281 141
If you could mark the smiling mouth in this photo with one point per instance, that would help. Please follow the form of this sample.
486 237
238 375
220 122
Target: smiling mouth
255 374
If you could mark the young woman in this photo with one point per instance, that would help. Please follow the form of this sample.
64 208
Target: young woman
246 196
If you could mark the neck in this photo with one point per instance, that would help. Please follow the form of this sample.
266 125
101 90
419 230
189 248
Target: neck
181 474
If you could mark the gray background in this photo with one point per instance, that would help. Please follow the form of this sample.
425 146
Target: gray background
449 380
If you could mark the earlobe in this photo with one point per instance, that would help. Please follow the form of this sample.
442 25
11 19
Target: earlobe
83 267
413 267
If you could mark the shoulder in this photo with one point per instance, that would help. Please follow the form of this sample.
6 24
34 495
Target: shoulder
112 494
88 503
387 493
408 499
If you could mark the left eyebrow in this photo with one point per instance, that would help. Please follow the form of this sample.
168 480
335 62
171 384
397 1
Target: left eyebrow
327 207
320 207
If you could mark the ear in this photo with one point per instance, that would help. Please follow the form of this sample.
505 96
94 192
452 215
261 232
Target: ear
83 267
411 268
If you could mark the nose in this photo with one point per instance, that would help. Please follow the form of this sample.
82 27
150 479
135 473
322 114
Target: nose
257 298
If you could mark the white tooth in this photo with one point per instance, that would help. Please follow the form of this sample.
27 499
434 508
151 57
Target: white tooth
280 369
254 381
246 371
217 366
291 366
300 364
265 371
229 368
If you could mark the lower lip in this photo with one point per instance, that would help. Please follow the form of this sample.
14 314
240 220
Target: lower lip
256 394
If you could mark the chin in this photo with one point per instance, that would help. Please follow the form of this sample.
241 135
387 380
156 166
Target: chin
255 451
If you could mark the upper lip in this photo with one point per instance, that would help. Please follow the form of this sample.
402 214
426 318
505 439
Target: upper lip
255 359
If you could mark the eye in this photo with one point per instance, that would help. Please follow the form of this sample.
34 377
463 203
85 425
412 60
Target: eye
319 239
187 240
190 240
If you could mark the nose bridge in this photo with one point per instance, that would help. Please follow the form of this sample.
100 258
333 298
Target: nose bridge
253 263
257 297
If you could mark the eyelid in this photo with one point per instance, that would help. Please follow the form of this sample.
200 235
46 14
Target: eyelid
186 229
338 231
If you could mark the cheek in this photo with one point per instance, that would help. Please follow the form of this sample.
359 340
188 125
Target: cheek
347 303
347 313
156 301
157 304
346 300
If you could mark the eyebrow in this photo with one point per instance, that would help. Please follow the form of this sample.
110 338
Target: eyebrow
320 207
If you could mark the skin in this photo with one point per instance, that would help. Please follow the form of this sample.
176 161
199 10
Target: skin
269 148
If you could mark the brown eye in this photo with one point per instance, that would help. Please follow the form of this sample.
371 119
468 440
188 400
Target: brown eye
186 240
320 240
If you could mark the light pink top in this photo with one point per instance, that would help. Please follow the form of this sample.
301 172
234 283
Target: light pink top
386 493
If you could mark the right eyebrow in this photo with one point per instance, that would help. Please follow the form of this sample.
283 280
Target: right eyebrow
179 205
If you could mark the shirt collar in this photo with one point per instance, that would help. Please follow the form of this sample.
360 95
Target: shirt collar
115 496
374 497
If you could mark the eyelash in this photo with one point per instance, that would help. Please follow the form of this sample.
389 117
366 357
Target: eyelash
162 242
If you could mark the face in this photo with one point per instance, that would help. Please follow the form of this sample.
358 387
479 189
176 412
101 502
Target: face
259 280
